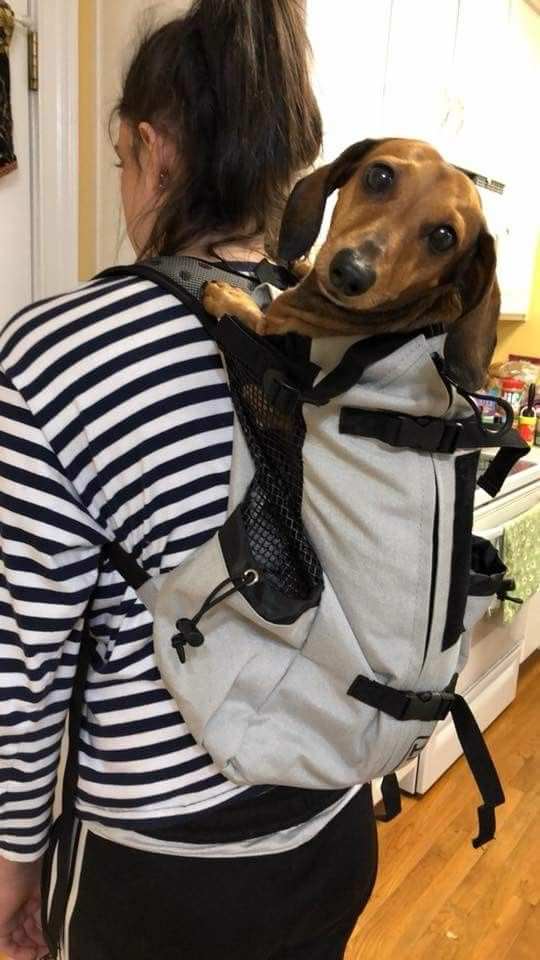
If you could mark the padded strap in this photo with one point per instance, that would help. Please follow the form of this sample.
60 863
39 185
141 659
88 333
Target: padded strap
166 273
147 272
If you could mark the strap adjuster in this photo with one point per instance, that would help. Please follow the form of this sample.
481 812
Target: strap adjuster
430 434
403 704
428 705
278 392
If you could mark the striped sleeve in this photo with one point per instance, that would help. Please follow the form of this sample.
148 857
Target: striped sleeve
49 559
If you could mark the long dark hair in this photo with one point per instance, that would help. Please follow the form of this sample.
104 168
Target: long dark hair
229 85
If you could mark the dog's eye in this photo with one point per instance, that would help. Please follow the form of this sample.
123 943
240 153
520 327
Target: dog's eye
442 239
379 178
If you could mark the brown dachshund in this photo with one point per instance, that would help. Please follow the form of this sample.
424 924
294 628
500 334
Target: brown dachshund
407 246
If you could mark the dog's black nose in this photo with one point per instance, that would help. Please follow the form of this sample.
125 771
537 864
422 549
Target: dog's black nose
350 274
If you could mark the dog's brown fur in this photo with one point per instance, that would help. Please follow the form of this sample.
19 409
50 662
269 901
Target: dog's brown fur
413 286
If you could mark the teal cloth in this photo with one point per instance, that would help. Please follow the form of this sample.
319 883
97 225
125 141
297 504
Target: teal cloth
521 554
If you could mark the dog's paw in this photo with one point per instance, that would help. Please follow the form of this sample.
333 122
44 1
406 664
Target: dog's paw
216 297
260 325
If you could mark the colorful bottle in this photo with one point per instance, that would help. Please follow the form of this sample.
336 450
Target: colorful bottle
512 392
527 418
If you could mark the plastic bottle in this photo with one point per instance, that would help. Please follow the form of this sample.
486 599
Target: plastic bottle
512 392
527 418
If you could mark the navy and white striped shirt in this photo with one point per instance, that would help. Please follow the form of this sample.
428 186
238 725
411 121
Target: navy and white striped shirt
115 421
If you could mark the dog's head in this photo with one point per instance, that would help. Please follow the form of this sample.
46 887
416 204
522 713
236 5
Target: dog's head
407 229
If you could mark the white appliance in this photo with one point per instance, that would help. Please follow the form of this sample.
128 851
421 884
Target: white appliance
489 680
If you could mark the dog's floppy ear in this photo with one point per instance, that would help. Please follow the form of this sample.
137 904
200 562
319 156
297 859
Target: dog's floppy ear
472 338
304 212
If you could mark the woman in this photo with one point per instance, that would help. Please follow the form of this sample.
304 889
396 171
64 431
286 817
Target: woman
117 422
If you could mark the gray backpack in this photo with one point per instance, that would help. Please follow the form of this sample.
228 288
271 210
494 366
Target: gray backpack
316 639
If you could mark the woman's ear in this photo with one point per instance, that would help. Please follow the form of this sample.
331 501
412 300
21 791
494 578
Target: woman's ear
472 338
155 156
304 212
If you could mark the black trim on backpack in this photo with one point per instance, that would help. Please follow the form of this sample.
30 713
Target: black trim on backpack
466 468
359 356
433 706
264 596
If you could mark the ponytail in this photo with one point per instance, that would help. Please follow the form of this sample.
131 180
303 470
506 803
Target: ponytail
229 85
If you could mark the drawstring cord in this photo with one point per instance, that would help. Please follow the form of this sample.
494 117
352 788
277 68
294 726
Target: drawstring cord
188 631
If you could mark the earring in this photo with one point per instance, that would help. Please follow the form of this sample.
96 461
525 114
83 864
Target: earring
163 179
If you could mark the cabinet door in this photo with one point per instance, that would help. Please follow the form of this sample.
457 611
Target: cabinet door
480 93
520 146
349 42
15 187
419 69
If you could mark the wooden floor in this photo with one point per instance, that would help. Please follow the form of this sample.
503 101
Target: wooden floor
439 899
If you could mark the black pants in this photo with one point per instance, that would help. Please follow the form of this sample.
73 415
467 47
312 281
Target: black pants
299 905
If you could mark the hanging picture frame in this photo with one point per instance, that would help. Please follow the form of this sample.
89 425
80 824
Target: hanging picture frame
8 160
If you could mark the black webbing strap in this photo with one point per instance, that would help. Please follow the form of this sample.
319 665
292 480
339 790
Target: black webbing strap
432 434
434 706
436 435
391 799
401 704
482 768
361 355
61 835
126 565
493 478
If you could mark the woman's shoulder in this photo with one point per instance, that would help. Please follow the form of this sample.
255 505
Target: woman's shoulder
88 319
55 314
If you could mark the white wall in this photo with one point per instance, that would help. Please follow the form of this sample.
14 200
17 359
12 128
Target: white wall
118 24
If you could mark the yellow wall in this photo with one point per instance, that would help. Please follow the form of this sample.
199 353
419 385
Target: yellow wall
87 140
523 338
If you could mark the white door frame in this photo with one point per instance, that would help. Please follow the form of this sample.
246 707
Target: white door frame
55 136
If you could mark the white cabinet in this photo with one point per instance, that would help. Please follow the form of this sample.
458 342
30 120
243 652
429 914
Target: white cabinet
446 80
419 68
15 187
457 73
480 96
349 42
531 631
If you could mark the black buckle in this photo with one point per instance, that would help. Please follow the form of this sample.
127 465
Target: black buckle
275 275
434 435
428 705
278 392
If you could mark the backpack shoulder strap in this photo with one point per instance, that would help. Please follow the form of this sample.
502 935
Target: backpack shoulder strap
185 278
148 272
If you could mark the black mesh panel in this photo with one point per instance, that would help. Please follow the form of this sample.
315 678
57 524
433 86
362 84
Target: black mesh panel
271 511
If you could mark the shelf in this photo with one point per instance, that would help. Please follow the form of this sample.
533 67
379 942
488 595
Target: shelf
512 318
